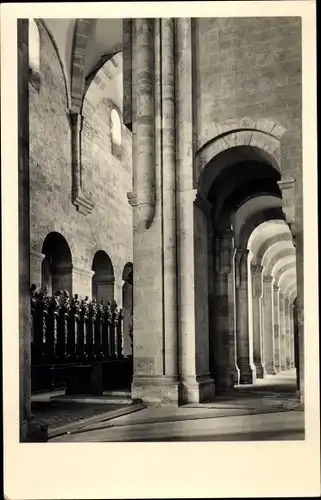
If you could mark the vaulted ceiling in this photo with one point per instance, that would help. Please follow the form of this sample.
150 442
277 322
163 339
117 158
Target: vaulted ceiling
83 45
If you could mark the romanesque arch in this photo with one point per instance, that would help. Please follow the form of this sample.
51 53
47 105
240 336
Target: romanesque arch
57 263
103 279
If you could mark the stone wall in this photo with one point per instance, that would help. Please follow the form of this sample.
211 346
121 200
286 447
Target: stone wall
107 177
251 67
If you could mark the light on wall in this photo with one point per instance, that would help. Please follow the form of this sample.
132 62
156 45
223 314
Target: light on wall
116 127
34 46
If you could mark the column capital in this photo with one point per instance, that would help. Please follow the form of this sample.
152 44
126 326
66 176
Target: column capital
241 256
256 269
223 234
275 287
202 204
37 255
84 272
287 187
76 120
132 199
267 279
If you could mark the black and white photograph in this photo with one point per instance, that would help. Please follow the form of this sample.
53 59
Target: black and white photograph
161 227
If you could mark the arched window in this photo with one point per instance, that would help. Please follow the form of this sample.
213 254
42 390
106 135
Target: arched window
115 127
34 47
116 132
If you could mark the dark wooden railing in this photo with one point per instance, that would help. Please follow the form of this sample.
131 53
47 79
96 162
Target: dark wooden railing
76 342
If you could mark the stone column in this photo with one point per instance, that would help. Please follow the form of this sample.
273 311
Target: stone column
256 271
292 361
196 385
268 325
276 308
154 323
292 201
244 361
30 429
169 194
36 259
287 332
282 331
226 369
82 281
234 369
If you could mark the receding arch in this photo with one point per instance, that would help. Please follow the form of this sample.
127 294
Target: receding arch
103 279
289 266
208 170
263 232
284 261
255 221
272 254
287 277
265 245
57 263
287 251
250 207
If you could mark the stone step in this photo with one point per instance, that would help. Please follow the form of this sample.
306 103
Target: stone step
103 399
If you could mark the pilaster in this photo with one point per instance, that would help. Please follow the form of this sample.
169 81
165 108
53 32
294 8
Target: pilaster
292 361
196 384
79 199
287 333
244 361
226 369
36 260
276 308
282 331
82 281
268 325
256 272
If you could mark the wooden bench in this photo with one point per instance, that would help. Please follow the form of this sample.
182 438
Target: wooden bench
77 378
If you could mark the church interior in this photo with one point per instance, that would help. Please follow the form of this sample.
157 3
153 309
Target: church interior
161 211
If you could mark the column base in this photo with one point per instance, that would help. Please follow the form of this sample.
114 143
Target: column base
235 374
270 368
247 374
155 389
277 367
301 396
260 371
225 381
196 389
32 431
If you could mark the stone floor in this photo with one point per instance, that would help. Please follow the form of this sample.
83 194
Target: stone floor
60 413
267 411
57 413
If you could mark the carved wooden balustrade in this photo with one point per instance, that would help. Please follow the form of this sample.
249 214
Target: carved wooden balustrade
70 335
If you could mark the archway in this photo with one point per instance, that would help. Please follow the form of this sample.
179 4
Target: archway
103 278
57 264
128 309
238 183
